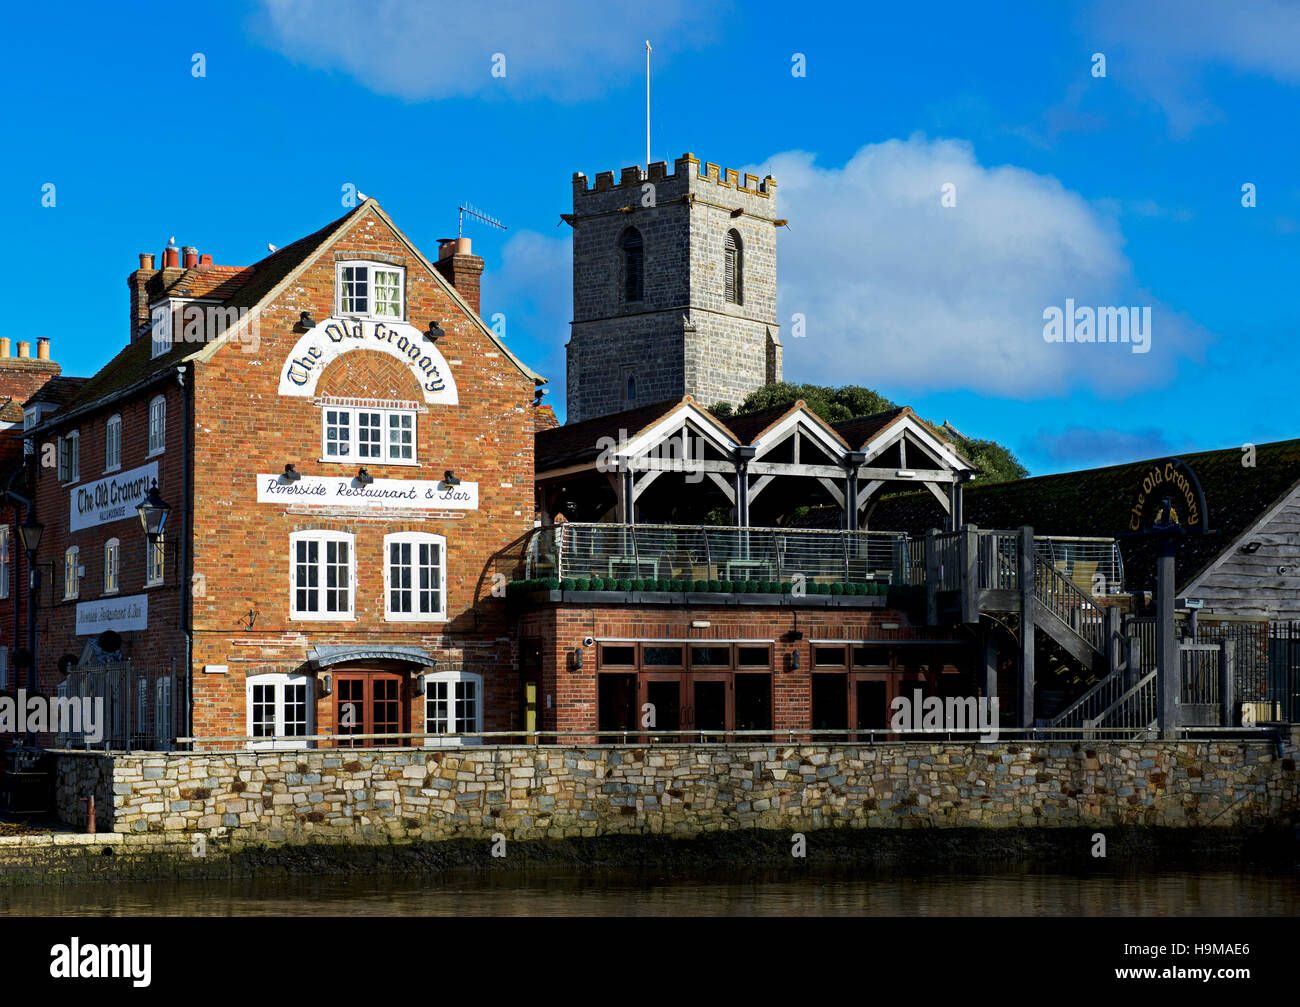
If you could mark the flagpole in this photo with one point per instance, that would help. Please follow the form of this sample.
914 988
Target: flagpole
647 108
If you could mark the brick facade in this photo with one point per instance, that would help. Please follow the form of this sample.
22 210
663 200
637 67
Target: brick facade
229 555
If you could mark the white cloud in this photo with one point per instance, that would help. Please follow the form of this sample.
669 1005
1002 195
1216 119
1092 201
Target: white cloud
905 295
1160 48
414 49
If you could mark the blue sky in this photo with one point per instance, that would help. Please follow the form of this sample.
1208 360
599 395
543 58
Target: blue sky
1122 190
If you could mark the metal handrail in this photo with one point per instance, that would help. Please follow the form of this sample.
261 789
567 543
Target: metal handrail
1058 594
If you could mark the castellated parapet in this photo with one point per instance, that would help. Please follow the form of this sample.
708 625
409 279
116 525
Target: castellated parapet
684 335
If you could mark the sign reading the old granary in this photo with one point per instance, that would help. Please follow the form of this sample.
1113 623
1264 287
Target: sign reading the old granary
326 342
1168 497
112 498
405 494
120 614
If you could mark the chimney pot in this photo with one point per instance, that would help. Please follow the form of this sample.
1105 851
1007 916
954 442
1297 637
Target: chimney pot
453 246
146 260
191 256
24 349
43 348
171 257
4 346
205 260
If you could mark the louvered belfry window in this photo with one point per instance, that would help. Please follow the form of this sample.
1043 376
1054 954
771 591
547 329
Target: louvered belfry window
732 267
633 265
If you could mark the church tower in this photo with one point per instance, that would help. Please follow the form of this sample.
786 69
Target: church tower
674 288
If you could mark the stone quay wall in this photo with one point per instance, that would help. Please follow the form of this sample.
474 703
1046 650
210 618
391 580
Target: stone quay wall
529 792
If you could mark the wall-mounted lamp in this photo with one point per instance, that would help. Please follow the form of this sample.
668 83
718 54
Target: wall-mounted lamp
153 513
577 658
305 322
433 333
326 684
1251 547
364 477
794 661
291 474
418 685
449 477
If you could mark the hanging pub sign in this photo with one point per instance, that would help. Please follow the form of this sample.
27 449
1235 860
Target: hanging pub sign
321 345
1168 498
112 498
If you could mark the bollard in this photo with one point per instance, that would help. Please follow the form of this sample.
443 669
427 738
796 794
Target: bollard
90 814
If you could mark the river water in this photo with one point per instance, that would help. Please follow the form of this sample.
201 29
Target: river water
1027 892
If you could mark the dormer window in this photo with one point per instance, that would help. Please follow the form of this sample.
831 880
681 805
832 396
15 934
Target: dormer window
160 332
371 290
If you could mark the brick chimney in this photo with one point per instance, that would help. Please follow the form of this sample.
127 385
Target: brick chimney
138 282
461 268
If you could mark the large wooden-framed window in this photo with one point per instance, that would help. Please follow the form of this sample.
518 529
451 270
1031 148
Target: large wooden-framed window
371 290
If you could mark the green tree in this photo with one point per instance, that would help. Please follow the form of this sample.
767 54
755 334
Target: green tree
995 462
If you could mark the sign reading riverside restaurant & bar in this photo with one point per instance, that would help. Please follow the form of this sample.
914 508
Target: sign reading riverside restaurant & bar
112 498
328 491
330 339
119 614
1169 479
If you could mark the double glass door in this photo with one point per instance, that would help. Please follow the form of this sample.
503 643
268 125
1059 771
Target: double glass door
369 703
711 703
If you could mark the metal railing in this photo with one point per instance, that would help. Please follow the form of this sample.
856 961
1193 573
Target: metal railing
750 736
1094 564
1059 595
137 707
715 553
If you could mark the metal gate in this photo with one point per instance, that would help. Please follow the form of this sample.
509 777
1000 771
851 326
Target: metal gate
132 708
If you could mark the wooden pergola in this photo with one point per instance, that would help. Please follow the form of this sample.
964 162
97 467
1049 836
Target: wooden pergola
657 464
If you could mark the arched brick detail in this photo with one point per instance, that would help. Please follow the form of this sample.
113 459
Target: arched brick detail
368 375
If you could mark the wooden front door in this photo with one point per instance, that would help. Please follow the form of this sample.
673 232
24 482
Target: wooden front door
662 690
370 702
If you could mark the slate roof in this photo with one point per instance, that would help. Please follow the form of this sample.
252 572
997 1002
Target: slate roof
1098 501
58 391
237 287
576 443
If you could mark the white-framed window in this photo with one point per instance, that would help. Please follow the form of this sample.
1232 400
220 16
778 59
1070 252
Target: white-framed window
415 577
154 561
281 710
113 443
371 290
112 549
4 561
160 332
72 572
322 574
157 425
453 705
381 434
70 457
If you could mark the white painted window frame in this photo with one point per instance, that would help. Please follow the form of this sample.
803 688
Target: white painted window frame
113 444
451 678
354 432
112 566
371 266
71 580
322 538
415 539
279 684
157 426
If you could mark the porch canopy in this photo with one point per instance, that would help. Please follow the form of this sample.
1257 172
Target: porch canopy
676 463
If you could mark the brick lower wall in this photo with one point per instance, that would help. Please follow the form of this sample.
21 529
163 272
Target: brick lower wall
550 792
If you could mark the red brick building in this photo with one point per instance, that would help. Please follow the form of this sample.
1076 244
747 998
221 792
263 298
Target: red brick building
343 445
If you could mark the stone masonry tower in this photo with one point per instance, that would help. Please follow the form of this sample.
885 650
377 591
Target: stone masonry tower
674 288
